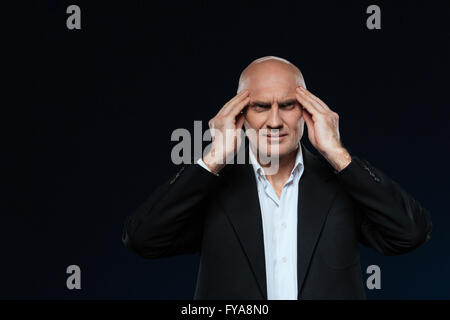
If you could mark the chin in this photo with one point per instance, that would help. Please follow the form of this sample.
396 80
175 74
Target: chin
280 150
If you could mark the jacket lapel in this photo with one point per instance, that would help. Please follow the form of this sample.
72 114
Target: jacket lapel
316 194
244 212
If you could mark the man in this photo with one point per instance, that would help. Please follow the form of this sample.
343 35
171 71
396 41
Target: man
289 234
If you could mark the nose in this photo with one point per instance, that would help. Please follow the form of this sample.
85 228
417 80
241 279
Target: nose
274 121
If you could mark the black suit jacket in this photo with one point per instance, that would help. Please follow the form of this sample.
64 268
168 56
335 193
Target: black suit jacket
219 217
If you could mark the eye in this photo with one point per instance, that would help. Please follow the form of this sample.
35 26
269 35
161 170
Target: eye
260 108
289 106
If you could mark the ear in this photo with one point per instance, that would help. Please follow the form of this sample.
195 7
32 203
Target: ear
302 122
302 125
246 125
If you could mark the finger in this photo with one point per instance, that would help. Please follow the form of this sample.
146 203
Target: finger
308 96
308 105
235 104
238 106
314 98
226 108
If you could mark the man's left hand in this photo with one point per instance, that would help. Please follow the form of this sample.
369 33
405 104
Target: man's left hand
323 129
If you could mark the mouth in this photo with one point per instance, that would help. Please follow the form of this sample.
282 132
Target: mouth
276 138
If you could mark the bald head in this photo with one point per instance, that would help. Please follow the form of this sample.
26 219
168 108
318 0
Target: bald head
270 69
273 105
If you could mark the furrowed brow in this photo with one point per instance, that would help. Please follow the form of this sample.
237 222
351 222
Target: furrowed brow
260 103
268 104
288 102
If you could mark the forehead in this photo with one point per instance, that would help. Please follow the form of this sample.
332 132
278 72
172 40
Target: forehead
270 82
270 89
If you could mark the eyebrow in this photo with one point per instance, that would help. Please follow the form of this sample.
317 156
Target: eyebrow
268 104
287 102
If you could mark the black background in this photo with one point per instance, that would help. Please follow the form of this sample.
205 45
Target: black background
90 124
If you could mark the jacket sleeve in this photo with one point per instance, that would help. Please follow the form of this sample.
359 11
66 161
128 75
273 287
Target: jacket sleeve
391 221
170 221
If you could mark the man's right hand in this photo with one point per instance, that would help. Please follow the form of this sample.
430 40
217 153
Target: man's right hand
226 132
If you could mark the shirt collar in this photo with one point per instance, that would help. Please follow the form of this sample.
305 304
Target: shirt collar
298 166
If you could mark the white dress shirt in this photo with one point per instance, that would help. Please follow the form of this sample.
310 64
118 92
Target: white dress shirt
279 220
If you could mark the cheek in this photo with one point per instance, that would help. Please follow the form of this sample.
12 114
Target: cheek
293 119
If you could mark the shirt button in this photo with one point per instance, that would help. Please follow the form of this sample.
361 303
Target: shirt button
283 259
284 225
